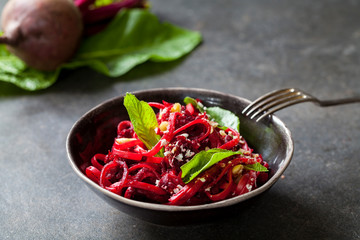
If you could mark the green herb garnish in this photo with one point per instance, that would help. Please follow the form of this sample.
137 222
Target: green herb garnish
257 167
202 161
193 101
143 118
205 159
223 117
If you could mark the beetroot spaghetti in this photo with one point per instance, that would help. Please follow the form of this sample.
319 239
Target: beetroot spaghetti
178 154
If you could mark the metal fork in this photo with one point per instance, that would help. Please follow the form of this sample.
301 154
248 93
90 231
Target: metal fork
279 99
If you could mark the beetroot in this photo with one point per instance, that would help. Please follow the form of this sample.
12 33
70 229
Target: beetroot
43 33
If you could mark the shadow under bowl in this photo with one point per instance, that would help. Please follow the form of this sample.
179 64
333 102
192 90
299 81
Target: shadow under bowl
95 131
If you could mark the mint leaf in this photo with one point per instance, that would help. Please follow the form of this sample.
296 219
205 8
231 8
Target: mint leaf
133 37
224 117
256 167
202 161
143 118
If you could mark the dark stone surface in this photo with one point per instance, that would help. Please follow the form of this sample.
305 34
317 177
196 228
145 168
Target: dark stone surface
249 48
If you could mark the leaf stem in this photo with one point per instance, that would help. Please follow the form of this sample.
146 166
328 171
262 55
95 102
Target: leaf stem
83 4
102 13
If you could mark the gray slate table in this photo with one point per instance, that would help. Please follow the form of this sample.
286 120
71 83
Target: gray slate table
249 48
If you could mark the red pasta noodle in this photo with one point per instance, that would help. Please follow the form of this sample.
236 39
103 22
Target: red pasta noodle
131 170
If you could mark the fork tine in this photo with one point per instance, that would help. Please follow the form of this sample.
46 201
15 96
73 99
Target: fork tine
282 103
254 105
274 100
303 98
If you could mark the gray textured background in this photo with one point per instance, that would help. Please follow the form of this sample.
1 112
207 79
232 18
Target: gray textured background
249 48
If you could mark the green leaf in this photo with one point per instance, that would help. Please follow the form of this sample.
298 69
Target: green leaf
202 161
100 3
143 118
133 37
13 70
224 117
256 167
193 101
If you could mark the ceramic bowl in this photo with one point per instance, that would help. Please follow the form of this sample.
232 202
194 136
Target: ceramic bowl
94 132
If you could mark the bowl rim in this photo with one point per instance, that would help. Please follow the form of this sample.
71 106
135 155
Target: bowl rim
171 208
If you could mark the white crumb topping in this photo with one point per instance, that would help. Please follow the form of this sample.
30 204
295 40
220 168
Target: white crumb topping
179 157
177 189
185 135
164 142
213 124
189 153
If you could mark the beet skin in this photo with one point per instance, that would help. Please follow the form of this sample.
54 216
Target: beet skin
43 33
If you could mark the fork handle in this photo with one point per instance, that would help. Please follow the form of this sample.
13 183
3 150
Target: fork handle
327 103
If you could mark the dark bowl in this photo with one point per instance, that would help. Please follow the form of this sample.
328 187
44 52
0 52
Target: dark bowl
95 131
